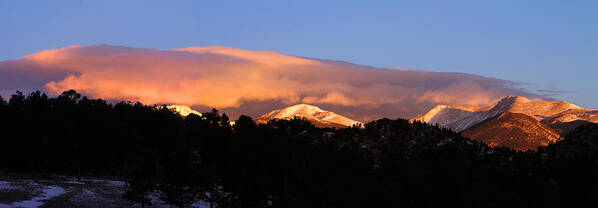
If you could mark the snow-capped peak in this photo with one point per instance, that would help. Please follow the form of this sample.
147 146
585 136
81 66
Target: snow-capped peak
299 109
533 107
460 118
309 112
183 110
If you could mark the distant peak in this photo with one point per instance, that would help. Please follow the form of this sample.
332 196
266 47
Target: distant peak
520 100
459 118
304 106
464 108
508 102
299 109
515 98
310 112
183 110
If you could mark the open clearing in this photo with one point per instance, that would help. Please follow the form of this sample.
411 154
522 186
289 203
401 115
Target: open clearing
61 191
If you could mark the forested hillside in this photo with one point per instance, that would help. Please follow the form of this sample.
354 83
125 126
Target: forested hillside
387 163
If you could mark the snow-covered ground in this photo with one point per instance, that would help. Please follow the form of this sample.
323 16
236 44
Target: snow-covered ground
68 192
48 193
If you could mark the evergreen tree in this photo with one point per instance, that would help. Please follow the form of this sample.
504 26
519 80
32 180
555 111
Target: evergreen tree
139 189
287 163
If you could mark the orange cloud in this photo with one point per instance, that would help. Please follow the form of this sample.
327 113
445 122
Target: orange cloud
241 81
464 94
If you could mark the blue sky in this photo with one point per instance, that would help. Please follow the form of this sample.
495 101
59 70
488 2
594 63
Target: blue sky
551 45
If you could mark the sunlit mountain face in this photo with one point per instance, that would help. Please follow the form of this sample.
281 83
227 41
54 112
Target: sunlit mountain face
317 116
514 121
183 110
239 81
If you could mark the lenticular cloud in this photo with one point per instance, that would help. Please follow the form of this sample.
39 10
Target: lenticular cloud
249 82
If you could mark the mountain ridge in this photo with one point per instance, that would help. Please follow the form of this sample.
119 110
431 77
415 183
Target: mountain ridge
514 130
459 118
314 114
514 121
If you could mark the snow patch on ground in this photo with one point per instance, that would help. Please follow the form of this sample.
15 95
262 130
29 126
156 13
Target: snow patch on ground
97 181
74 181
7 185
201 204
115 183
48 193
75 192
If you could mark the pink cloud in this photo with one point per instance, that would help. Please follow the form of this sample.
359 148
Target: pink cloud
462 93
241 81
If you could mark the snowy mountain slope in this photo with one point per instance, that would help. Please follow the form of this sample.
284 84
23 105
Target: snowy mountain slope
312 113
183 110
535 108
566 121
454 117
460 118
573 115
514 121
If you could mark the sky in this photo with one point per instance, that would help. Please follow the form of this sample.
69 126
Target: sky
550 45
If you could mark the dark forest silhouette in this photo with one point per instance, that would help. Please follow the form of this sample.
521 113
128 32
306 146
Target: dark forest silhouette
388 163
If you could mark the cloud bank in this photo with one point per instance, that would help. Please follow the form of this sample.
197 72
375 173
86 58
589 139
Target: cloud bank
245 82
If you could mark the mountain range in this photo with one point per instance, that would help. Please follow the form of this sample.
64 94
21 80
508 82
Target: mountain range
514 121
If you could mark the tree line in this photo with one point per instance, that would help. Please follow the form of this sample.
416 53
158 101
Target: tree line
287 163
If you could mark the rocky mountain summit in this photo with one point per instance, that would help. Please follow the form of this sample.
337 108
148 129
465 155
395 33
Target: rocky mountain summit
514 121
